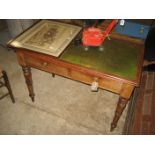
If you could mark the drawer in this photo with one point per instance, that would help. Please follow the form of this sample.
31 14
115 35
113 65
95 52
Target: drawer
64 69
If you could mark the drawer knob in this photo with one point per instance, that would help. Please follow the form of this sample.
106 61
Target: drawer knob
45 64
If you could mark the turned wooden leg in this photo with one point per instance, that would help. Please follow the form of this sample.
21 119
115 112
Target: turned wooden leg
7 84
119 110
28 80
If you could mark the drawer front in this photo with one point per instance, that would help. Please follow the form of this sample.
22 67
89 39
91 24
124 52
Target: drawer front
54 67
133 29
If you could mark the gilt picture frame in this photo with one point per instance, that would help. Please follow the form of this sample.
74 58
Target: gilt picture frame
47 36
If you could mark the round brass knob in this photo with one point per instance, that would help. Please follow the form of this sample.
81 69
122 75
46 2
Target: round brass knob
45 64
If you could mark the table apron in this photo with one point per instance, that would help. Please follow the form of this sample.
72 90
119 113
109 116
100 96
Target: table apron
114 85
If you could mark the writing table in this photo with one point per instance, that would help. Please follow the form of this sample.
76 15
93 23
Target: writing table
117 68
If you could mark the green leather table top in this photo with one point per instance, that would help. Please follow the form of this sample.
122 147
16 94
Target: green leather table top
119 58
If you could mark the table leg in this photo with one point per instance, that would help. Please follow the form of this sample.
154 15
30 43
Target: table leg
119 110
28 80
53 75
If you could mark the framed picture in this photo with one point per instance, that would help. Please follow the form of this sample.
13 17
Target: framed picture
49 37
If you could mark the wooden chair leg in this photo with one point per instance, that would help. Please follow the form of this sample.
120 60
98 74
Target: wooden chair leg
7 84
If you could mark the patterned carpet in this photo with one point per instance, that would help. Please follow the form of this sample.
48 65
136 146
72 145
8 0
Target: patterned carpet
141 114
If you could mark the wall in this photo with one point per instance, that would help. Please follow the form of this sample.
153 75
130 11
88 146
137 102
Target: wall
3 24
16 26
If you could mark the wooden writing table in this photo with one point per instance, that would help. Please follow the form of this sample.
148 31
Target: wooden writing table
116 69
